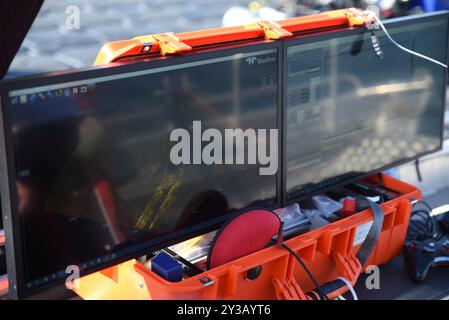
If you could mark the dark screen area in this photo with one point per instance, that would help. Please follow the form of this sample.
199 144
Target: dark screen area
93 171
350 113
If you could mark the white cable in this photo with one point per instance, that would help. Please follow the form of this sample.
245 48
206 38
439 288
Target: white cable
404 48
340 297
351 288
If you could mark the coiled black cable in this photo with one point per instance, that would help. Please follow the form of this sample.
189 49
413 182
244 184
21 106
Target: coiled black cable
422 224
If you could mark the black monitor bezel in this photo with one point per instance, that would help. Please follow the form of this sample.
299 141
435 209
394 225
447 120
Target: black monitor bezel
12 226
304 39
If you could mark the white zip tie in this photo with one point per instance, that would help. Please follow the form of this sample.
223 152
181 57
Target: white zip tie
404 48
351 288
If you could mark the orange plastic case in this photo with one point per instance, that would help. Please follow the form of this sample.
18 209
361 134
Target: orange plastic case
329 252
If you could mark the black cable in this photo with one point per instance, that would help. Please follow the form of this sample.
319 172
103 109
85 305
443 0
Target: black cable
318 287
421 227
418 170
425 204
279 240
424 225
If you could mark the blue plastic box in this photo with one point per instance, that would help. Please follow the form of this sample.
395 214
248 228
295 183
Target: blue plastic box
166 267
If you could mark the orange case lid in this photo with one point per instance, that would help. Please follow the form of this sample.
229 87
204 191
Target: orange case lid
170 43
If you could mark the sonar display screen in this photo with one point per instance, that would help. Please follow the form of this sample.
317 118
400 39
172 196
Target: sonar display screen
350 113
99 169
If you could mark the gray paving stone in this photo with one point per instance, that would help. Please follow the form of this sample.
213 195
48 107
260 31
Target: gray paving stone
49 43
22 64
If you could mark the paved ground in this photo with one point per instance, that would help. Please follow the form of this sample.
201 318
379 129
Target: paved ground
51 46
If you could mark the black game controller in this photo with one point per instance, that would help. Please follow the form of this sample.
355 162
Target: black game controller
421 255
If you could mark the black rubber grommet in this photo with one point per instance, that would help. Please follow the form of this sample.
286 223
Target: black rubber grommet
254 273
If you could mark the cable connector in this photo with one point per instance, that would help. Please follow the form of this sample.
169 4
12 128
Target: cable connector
370 20
376 46
371 25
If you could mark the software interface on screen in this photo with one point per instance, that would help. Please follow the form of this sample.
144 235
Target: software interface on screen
349 112
93 170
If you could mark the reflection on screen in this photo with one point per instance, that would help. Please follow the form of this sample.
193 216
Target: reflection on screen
348 112
94 175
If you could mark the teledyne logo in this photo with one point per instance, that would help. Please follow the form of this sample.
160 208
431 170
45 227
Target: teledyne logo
260 60
260 150
251 60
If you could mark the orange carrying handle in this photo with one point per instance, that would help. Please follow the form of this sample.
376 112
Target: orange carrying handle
170 43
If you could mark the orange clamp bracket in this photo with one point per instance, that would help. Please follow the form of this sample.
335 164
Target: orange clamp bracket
356 17
273 30
170 44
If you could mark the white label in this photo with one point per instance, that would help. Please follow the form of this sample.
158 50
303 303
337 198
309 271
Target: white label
361 232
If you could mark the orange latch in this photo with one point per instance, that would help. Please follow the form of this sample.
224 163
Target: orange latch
273 30
170 44
356 17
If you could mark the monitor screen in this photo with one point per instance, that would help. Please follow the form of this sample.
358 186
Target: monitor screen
107 163
349 113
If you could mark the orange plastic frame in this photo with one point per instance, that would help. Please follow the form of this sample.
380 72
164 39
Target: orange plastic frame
171 43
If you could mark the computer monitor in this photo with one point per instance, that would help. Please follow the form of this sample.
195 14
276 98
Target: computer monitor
349 114
110 163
